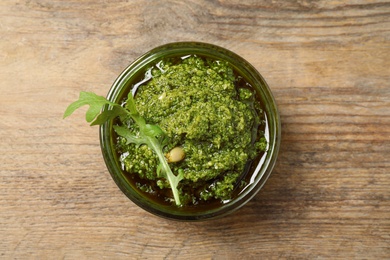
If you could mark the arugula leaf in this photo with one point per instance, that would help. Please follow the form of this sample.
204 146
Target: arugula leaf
149 134
153 130
130 104
96 104
107 115
130 138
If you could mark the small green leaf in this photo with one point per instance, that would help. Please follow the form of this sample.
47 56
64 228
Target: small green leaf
94 101
92 112
153 130
130 138
107 115
130 104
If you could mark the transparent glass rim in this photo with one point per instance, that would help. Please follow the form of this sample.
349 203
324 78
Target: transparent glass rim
120 87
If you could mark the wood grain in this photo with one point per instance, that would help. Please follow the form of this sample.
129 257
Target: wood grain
327 63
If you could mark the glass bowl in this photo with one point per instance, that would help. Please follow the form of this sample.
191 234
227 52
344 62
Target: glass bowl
261 171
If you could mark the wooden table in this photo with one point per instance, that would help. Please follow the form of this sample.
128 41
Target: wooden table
327 63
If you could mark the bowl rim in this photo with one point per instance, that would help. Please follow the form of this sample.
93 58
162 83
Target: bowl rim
172 49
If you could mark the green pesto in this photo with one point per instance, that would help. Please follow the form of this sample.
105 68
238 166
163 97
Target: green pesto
198 104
